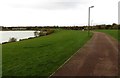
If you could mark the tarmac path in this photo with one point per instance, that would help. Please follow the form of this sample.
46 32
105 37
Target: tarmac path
98 57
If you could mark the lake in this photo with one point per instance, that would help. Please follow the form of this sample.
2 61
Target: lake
6 35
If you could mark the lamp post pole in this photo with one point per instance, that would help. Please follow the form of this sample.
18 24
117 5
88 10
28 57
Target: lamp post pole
89 19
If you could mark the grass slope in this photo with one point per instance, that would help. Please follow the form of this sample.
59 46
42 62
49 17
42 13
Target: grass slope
113 33
41 56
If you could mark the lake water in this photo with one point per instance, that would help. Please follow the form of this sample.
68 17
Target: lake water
6 35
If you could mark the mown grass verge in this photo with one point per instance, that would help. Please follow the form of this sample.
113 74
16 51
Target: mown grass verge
113 33
43 55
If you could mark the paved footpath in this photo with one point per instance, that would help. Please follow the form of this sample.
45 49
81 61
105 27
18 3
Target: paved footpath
99 57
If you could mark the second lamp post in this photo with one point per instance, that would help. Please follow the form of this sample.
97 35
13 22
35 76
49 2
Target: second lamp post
89 19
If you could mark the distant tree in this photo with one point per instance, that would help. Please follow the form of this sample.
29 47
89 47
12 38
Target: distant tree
108 26
114 24
36 33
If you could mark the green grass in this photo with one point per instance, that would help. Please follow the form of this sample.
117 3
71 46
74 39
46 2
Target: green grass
41 56
113 33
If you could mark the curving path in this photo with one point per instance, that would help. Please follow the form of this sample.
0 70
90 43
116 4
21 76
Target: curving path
99 57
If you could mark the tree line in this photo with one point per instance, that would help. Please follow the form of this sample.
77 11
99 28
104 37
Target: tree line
103 26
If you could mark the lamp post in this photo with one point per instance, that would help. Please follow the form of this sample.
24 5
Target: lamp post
89 19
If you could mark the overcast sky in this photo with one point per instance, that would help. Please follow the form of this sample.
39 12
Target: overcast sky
57 12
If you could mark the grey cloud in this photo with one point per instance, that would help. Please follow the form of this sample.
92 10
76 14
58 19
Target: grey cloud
52 4
64 4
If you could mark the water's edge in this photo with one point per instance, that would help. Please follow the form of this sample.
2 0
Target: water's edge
6 35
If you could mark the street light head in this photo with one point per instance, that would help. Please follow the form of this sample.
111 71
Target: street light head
92 7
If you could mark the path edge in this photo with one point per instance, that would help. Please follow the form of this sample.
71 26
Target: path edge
71 57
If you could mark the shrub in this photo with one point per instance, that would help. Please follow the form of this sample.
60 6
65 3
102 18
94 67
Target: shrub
30 37
49 31
4 42
46 32
12 39
23 39
20 40
43 33
36 33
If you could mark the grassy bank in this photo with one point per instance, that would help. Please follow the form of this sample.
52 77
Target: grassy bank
113 33
41 56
